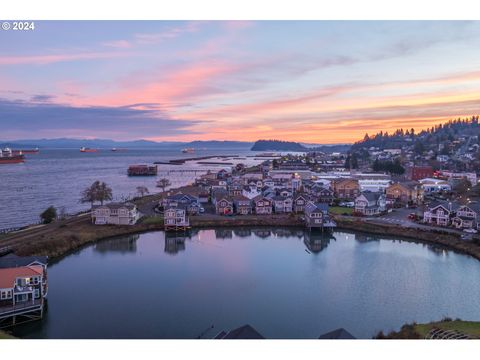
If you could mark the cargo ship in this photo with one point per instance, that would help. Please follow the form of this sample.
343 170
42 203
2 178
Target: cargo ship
25 151
8 157
142 170
88 150
188 150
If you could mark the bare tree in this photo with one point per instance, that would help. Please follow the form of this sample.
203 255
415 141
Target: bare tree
104 193
142 190
90 193
163 183
98 191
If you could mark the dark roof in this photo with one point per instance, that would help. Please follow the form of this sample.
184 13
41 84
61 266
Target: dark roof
337 334
244 332
12 260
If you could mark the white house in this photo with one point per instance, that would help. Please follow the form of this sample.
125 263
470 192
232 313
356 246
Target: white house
115 213
176 217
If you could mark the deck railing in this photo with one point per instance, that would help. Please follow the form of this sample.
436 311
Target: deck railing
18 307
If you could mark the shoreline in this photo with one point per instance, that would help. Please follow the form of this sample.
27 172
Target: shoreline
61 238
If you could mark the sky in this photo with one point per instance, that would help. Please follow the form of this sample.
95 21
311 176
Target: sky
308 81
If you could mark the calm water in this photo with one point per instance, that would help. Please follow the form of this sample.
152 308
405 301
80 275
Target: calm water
284 283
57 177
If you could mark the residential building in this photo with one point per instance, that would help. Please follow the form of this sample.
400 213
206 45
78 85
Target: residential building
467 216
299 202
439 213
263 205
346 188
175 217
432 185
316 216
115 214
370 203
22 291
418 172
282 204
242 205
404 193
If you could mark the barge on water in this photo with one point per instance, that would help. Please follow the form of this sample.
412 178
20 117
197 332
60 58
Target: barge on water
142 170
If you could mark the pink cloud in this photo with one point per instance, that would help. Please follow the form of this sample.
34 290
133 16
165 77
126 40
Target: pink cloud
55 58
120 44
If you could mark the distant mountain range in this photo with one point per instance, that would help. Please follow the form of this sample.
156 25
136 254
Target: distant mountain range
278 145
260 145
66 143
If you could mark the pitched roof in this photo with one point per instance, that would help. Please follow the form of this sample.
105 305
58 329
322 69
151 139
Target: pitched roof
8 275
244 332
340 333
116 205
12 260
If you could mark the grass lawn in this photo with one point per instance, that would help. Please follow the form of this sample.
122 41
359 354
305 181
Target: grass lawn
152 220
340 210
5 335
467 327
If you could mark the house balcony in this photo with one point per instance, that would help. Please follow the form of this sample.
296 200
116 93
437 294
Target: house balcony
20 308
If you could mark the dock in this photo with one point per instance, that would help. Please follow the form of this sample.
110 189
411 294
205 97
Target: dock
142 170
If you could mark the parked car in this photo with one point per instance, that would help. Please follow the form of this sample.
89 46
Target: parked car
470 231
412 216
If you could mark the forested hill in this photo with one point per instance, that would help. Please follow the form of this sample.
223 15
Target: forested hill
278 145
435 135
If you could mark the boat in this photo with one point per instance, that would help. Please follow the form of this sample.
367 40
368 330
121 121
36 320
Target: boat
118 149
8 157
188 150
88 150
25 151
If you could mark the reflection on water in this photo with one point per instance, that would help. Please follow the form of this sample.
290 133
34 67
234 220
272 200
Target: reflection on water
232 276
316 241
223 233
175 241
122 245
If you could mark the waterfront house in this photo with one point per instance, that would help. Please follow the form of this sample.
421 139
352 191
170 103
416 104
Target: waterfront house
175 217
316 216
404 193
370 203
242 205
347 189
467 216
223 202
115 214
262 205
22 291
299 202
282 204
439 213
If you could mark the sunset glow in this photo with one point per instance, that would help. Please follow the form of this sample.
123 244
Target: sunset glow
318 82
